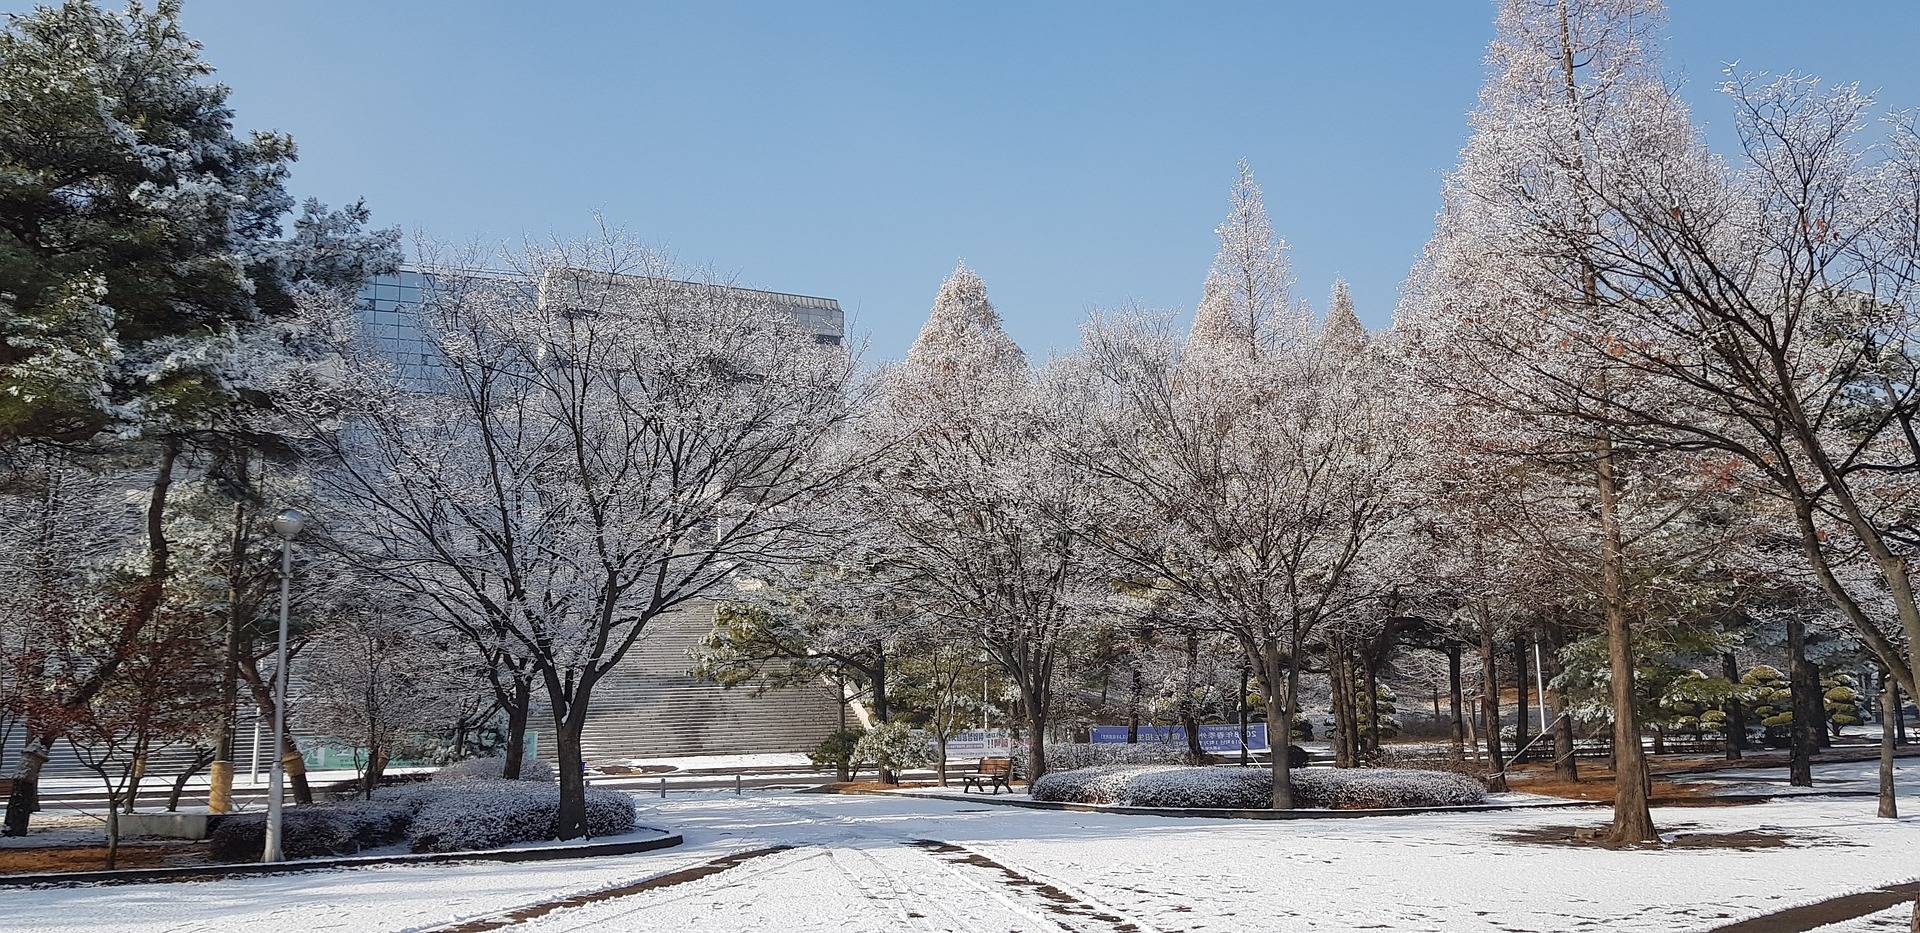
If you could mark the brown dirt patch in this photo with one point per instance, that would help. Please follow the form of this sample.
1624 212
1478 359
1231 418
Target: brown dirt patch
35 859
1596 784
1747 840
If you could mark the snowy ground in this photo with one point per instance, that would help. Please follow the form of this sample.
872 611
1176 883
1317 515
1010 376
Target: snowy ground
888 863
1852 776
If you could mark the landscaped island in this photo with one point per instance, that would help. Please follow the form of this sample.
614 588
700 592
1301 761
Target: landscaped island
1231 788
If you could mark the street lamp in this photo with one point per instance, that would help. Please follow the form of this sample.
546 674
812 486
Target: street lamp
288 525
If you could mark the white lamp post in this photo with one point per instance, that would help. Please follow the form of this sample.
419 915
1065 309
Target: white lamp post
288 525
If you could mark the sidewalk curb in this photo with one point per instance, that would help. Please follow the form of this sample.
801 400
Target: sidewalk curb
665 840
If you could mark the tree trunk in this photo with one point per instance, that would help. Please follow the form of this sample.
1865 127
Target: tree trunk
1521 671
1889 808
113 833
1632 818
1278 688
220 782
1036 717
1803 688
291 760
1455 709
1373 706
1242 705
1490 703
25 797
519 703
1133 703
1565 766
571 822
1188 721
877 682
1899 717
376 769
1736 710
186 774
1339 698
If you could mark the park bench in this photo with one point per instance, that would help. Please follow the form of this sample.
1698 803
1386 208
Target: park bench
991 772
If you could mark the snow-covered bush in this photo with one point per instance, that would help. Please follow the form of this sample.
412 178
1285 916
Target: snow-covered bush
1251 788
1372 788
486 815
341 828
894 745
489 768
1158 786
1069 756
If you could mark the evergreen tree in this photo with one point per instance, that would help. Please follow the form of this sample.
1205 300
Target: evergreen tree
142 238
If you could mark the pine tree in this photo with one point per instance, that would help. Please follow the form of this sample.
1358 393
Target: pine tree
143 237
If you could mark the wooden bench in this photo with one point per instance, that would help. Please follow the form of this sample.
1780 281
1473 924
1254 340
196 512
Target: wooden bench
991 773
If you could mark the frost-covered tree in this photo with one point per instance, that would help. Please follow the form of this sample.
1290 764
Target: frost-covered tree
1572 91
595 444
374 681
1245 471
984 521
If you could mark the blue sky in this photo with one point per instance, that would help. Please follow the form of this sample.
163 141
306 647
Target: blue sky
1078 155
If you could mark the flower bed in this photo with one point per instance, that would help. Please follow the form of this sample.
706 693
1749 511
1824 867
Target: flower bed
1252 788
467 812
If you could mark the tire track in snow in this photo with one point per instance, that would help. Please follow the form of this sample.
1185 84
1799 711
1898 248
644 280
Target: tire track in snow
657 882
1060 907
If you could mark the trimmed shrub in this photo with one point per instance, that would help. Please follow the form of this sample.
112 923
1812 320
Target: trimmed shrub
1375 788
342 828
1251 788
488 815
490 767
448 817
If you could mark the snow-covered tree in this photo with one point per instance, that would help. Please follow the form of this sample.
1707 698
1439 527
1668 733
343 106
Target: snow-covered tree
598 444
984 521
1247 472
374 681
1572 92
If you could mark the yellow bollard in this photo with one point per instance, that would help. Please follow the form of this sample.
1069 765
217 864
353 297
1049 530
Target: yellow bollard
220 793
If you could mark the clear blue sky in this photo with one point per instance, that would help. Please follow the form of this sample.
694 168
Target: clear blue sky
1078 156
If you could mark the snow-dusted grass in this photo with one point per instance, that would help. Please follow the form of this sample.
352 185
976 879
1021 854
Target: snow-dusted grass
1252 788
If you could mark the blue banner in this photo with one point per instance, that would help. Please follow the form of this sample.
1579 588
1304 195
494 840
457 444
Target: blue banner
1214 737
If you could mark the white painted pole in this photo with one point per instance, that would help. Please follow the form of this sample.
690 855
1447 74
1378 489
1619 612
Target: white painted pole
253 770
277 776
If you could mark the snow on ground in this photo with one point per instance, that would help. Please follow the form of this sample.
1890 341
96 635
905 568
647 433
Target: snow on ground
795 761
880 862
1827 777
1891 920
